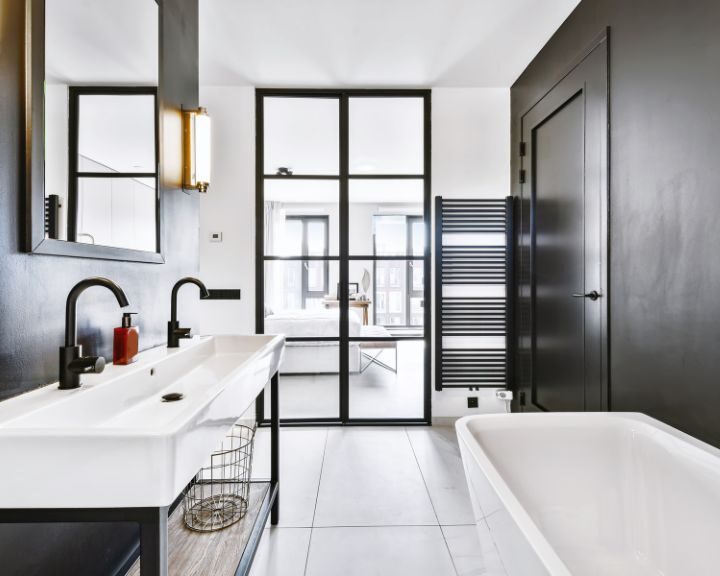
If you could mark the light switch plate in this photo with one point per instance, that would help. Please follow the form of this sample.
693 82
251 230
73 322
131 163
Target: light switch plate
215 236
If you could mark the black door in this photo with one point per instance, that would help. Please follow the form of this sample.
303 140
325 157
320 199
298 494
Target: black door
565 164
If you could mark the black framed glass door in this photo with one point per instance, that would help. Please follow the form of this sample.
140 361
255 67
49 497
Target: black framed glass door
343 251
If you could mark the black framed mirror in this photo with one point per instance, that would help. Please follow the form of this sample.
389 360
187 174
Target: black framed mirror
92 125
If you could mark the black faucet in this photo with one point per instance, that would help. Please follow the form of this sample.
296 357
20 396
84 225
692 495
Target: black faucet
72 362
175 333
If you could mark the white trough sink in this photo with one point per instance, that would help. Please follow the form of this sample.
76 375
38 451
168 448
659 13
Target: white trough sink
113 442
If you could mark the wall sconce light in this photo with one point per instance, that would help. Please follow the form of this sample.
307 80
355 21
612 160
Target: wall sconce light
196 149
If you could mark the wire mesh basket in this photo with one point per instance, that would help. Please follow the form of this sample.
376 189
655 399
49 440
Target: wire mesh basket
219 494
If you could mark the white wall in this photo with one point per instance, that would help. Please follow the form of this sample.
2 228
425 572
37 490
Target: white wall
471 142
471 157
229 207
115 211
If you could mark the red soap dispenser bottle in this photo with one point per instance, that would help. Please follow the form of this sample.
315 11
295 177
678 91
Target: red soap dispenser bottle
125 346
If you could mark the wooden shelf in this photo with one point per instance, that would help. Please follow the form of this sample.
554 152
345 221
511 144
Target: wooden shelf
217 553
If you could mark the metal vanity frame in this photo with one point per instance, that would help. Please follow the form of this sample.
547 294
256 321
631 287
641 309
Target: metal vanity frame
153 549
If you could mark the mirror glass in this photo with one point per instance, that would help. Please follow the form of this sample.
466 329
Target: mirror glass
101 157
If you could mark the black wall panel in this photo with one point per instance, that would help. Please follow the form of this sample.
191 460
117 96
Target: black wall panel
33 288
664 196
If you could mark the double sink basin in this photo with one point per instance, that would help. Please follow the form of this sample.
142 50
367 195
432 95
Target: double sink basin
114 442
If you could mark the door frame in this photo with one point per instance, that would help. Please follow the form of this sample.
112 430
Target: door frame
344 257
525 290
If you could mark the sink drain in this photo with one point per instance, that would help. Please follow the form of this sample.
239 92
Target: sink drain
172 397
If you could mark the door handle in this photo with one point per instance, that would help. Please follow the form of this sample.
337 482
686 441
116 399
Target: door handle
594 295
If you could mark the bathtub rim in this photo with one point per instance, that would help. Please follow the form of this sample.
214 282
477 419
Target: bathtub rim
533 535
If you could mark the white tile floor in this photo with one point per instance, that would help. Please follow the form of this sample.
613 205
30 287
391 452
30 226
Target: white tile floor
371 502
374 393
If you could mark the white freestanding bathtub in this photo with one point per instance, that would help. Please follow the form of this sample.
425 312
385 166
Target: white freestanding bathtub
593 494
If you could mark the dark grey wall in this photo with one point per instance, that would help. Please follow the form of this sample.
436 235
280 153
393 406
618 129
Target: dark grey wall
33 288
664 194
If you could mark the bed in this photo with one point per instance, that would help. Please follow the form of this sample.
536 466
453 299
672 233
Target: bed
318 357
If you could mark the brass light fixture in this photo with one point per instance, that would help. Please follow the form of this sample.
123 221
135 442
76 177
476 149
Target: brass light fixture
196 149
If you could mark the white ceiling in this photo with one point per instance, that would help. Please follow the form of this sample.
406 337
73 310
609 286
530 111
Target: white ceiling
101 42
373 43
310 43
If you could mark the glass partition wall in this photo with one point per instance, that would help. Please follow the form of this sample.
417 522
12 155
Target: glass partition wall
343 252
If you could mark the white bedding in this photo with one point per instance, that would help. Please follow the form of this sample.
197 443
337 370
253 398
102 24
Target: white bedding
310 323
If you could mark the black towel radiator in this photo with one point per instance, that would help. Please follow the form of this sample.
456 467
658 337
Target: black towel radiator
473 283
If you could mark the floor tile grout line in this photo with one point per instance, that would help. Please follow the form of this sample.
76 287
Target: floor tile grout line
324 526
495 546
452 558
379 526
317 497
308 527
322 467
442 532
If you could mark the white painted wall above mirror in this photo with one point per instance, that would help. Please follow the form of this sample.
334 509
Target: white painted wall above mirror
101 158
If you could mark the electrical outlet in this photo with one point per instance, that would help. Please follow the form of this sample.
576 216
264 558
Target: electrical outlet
472 401
216 237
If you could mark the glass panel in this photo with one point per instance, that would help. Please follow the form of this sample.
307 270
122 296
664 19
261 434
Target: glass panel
317 244
382 213
393 302
309 381
293 234
117 212
300 298
317 280
116 133
386 135
301 218
416 275
417 310
389 296
387 379
302 135
417 240
390 234
299 303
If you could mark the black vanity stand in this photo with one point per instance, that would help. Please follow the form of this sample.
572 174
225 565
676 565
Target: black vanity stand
154 521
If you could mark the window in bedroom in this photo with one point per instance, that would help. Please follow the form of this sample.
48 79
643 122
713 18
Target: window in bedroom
308 283
343 202
399 286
